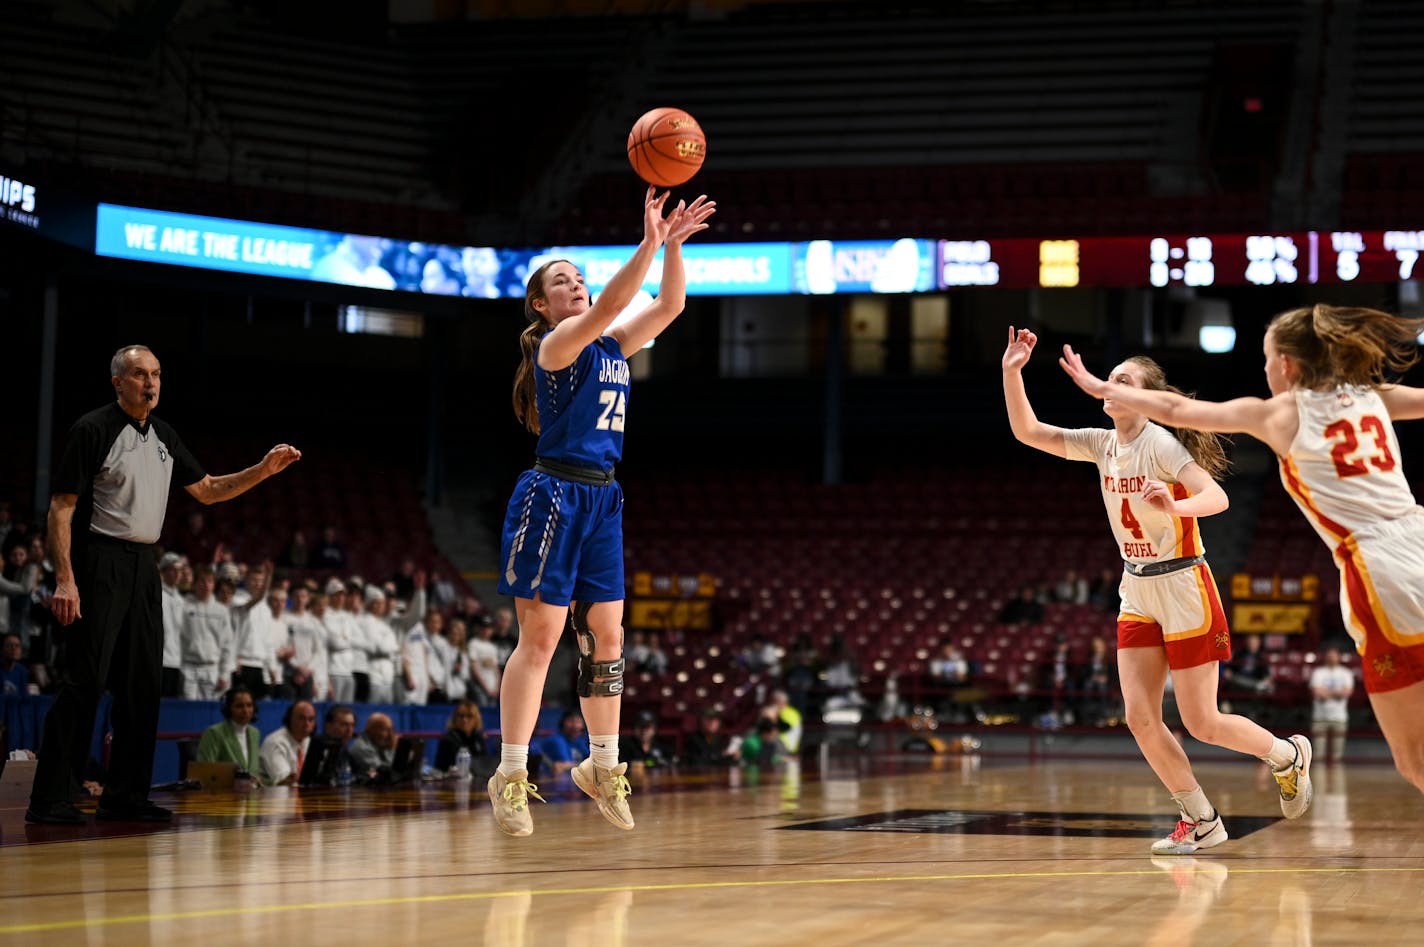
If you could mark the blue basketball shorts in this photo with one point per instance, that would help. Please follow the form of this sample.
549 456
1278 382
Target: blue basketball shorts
562 541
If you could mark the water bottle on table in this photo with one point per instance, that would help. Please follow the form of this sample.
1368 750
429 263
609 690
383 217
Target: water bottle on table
461 769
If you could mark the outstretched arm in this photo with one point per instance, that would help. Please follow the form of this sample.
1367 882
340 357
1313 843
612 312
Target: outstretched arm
1405 403
571 336
640 329
1024 423
212 489
1272 421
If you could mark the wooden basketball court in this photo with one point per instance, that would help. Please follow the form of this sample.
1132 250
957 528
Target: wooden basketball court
861 850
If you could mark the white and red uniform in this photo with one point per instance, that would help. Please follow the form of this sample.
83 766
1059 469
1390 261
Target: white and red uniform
1343 470
1181 609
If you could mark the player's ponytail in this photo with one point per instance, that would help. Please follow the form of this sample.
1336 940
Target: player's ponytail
1346 345
1206 448
526 407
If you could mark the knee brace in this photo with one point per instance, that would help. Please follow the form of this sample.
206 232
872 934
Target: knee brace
595 678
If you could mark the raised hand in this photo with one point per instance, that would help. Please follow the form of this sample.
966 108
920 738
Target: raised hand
686 220
1072 363
279 457
1019 349
655 228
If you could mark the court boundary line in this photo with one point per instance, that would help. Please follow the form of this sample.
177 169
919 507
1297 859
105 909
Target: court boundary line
76 924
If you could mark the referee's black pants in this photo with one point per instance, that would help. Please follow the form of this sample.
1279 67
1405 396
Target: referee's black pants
118 645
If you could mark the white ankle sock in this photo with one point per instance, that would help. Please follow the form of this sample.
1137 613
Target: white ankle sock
1282 756
1194 804
513 757
604 750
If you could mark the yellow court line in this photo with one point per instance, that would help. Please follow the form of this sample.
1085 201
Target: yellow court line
606 889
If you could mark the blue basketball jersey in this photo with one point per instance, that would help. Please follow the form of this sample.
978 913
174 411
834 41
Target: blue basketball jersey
581 408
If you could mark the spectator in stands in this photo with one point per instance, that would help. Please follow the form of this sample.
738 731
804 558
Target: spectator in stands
373 752
328 554
466 729
841 675
340 635
24 579
360 648
1331 684
197 541
297 555
708 744
1248 670
1104 591
1098 685
1023 609
10 588
233 739
304 668
485 670
7 523
802 672
42 641
568 747
1071 588
450 649
261 633
14 676
761 656
1156 483
1059 680
788 720
763 746
422 674
382 647
506 634
644 654
208 641
285 749
472 610
442 592
948 675
169 570
404 580
644 745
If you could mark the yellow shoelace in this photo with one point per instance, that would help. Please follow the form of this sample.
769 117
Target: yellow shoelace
1286 781
516 794
621 787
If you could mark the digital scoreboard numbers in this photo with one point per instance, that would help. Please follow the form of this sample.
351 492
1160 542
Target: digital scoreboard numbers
1378 256
1186 261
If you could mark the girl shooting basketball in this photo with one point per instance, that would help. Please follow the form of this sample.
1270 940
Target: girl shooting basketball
563 532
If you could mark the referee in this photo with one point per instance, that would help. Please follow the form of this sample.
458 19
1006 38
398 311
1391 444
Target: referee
111 492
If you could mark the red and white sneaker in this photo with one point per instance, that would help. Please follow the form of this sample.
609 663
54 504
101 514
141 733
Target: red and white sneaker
1188 838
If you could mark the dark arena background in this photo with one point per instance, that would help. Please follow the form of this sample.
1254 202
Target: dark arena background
320 217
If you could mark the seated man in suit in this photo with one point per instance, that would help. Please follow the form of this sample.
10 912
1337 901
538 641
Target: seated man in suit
234 739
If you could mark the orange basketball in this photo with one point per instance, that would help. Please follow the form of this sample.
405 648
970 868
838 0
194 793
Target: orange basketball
666 147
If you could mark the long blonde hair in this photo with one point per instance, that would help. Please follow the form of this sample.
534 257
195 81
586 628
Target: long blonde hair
1207 449
526 407
1346 345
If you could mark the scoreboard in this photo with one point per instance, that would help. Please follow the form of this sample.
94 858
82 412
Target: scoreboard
1199 260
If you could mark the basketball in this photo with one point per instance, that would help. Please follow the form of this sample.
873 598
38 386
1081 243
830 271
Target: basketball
666 147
